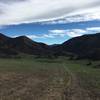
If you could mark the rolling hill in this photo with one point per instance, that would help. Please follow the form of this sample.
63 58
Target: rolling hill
21 44
82 47
86 46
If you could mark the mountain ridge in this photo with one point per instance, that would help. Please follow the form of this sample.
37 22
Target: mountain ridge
82 47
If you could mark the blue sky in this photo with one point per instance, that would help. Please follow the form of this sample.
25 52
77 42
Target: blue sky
55 23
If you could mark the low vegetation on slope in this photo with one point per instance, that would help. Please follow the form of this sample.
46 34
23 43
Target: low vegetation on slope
83 47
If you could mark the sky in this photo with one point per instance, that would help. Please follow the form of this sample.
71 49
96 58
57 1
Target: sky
49 21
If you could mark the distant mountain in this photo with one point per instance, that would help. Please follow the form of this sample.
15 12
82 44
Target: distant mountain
26 45
22 44
86 46
82 47
4 48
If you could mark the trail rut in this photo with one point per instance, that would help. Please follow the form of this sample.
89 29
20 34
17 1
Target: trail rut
74 91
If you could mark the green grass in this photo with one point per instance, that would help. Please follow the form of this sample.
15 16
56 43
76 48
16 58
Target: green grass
35 78
55 71
89 76
27 64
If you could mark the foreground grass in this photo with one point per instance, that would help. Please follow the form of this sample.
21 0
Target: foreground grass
88 76
46 79
31 79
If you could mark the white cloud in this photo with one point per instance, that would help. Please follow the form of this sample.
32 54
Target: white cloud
33 36
80 32
97 29
27 11
68 32
58 32
75 32
77 18
52 34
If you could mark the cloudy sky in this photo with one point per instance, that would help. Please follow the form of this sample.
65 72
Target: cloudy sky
49 21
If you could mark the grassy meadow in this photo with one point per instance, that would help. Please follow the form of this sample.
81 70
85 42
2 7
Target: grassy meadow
28 78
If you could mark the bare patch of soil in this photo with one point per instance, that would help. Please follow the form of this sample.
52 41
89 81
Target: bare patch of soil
31 86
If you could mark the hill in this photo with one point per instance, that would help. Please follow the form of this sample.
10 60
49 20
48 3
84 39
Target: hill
21 44
82 47
86 46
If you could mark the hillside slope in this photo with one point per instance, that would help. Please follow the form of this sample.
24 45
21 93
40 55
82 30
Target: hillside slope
22 44
86 46
82 47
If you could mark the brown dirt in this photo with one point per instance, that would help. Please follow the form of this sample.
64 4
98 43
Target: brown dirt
31 86
43 85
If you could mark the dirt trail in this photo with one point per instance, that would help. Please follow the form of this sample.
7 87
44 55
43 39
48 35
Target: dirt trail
74 90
